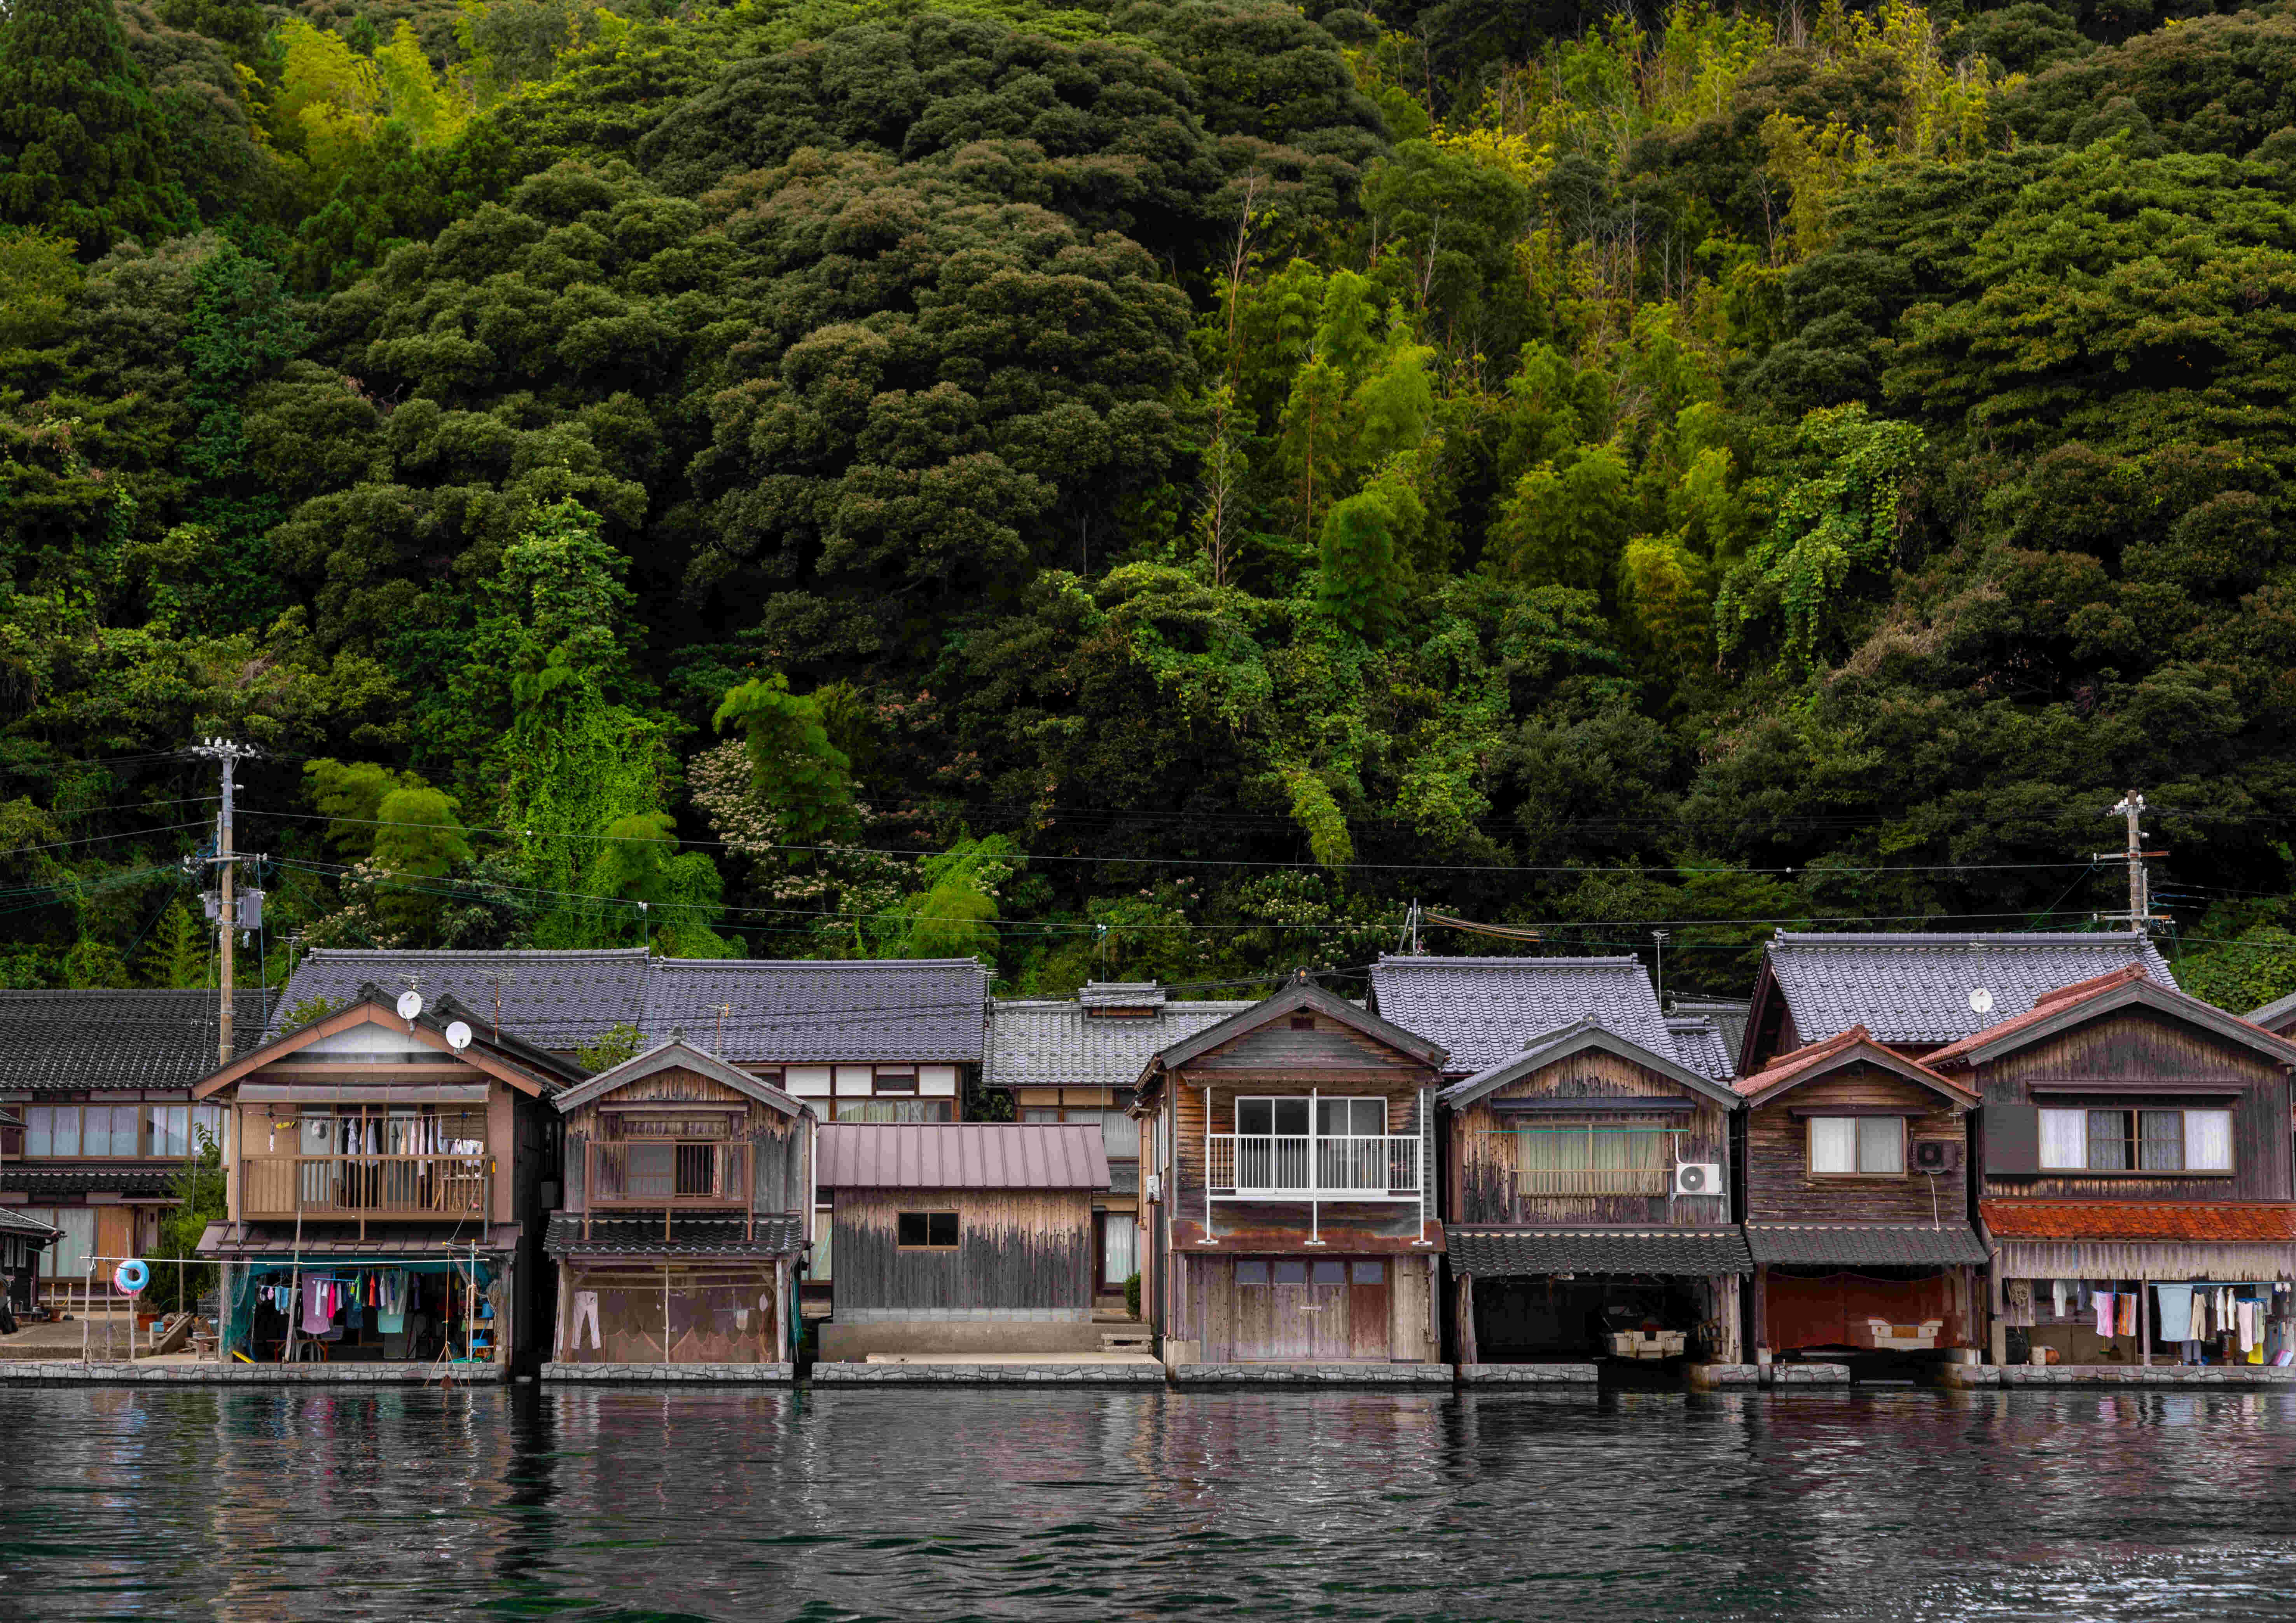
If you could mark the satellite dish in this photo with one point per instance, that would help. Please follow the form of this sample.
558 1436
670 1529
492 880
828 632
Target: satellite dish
410 1005
1980 1002
458 1036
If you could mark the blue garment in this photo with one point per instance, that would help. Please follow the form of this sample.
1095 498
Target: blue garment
2175 1320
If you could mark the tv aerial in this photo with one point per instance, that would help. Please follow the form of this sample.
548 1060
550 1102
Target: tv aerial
459 1036
410 1005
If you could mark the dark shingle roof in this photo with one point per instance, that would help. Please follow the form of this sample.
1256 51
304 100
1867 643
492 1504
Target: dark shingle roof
1874 1244
24 1225
554 1000
37 1178
1914 989
802 1011
1487 1251
2275 1014
772 1235
1054 1045
54 1040
1483 1010
1700 1044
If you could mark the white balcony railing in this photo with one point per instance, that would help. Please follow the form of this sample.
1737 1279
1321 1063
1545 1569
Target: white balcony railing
1312 1166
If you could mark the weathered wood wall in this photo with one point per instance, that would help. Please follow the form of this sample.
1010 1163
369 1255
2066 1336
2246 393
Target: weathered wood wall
1482 1187
2134 1044
718 1312
1779 1188
1016 1249
777 1142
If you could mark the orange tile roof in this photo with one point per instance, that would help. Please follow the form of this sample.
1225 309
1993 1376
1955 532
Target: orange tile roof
1786 1066
2201 1220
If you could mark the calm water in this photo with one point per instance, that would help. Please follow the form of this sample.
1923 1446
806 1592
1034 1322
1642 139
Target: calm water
988 1504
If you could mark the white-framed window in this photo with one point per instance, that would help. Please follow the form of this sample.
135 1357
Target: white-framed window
2136 1140
1856 1146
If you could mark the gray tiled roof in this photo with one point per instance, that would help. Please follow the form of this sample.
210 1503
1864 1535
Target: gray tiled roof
1700 1044
54 1040
1914 989
554 1000
1483 1010
2272 1015
772 1235
1058 1044
1727 1013
822 1011
1487 1251
24 1225
1875 1244
37 1178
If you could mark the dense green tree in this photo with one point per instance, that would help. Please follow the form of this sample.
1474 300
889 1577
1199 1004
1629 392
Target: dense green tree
80 140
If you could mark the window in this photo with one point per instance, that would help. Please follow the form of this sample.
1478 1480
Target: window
1119 1135
1333 1118
1856 1146
885 1110
1291 1273
897 1079
1583 1158
1251 1272
1279 1117
52 1129
926 1231
1303 1023
176 1128
66 1257
1367 1273
2136 1140
1328 1274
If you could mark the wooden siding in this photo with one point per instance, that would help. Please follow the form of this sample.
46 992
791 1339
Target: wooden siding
1779 1188
1481 1183
715 1312
2138 1044
1016 1249
782 1183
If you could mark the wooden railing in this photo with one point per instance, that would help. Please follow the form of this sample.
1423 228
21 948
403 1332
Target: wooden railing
362 1186
1313 1166
1583 1180
680 1174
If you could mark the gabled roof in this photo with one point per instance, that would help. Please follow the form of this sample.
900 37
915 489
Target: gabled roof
556 1000
2274 1014
1049 1044
51 1041
892 1011
1483 1010
1700 1044
1577 1038
962 1155
2129 987
1729 1015
1300 993
1905 987
508 1058
1854 1046
682 1056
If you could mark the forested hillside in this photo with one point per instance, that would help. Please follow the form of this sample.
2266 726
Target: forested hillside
1150 488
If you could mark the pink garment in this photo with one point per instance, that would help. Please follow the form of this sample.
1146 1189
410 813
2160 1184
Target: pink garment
2105 1312
316 1313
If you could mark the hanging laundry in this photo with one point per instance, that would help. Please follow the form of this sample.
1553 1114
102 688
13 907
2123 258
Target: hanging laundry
2124 1313
2175 1315
2248 1317
2105 1312
2059 1295
314 1306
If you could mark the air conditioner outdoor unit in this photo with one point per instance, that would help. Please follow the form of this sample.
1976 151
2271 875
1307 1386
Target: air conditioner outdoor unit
1698 1178
1936 1155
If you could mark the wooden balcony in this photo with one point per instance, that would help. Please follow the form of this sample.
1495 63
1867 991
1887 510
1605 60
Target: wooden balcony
332 1188
1312 1166
683 1175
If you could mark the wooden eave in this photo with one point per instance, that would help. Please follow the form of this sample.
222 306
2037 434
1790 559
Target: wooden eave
1302 995
678 1054
372 1013
2175 1006
1866 1051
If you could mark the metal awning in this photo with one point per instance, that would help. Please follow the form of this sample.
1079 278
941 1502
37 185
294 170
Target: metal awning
1688 1252
1871 1244
774 1235
364 1093
262 1242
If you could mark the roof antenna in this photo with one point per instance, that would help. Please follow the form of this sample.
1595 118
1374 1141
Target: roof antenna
498 979
717 1037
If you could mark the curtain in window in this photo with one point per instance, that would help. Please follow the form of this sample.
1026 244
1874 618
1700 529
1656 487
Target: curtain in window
54 1130
2208 1141
1880 1143
66 1257
1834 1143
2065 1139
2161 1141
1117 1258
1550 1150
2108 1141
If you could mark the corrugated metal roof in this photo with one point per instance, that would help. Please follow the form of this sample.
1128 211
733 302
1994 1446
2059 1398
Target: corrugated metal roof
1875 1244
555 1000
963 1155
53 1040
1665 1251
1054 1045
1907 988
772 1235
2170 1220
804 1011
1483 1010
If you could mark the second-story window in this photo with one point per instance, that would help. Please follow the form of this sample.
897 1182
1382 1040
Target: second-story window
1588 1158
2136 1140
1856 1146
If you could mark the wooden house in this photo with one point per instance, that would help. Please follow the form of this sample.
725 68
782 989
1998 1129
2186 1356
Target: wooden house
966 1237
1586 1205
687 1183
1853 1188
2135 1149
1916 992
1287 1159
561 1000
100 1084
2277 1017
1075 1061
23 1239
388 1178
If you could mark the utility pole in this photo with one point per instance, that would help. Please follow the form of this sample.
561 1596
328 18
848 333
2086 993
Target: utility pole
2139 915
227 755
1659 936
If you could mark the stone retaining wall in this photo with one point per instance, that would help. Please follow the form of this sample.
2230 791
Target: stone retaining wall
1528 1374
120 1373
1048 1373
740 1374
2219 1376
1313 1374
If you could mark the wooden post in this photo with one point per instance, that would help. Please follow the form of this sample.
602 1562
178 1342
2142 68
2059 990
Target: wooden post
2143 1323
1762 1315
1997 1338
1469 1353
